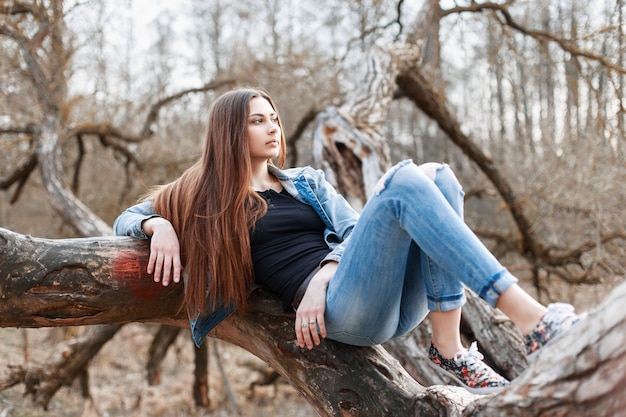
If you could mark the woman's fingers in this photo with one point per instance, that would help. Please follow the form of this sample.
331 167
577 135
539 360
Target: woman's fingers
309 330
313 331
167 269
163 268
178 268
303 334
151 262
321 325
310 325
164 261
307 333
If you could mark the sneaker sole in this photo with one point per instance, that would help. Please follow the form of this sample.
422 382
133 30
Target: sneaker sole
478 391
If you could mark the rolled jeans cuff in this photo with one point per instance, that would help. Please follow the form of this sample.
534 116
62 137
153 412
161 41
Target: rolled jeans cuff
496 286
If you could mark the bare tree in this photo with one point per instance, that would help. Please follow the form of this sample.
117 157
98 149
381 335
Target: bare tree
349 140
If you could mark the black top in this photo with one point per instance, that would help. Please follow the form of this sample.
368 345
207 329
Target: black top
287 244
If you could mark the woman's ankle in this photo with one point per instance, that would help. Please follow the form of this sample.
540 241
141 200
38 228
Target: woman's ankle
446 335
521 308
448 348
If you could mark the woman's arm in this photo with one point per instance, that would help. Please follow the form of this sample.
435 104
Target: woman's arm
129 223
340 214
312 307
142 222
164 259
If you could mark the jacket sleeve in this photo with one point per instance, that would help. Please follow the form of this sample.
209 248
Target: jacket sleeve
341 215
129 222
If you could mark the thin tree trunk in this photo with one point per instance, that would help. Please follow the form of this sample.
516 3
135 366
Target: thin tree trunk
201 376
163 339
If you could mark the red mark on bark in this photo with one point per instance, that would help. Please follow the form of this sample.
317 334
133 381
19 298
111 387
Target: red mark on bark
130 271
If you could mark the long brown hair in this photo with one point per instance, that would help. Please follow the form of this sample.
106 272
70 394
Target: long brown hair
213 207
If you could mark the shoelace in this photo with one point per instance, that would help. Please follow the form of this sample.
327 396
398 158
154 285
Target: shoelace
557 311
468 369
471 356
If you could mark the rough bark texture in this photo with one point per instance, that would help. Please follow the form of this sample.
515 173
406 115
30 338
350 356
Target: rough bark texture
348 142
73 282
101 281
96 281
581 374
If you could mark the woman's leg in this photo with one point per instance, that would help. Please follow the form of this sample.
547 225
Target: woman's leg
522 309
409 241
446 332
446 348
412 249
387 278
446 336
538 324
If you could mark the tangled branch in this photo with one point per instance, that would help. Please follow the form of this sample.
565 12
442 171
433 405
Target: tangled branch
503 16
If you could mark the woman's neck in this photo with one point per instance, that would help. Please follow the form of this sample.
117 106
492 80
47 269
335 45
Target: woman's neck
261 178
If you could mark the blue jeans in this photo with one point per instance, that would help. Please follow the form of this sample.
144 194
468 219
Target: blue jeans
410 253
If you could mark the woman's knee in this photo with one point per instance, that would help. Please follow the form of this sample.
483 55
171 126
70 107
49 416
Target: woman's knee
411 176
430 169
447 182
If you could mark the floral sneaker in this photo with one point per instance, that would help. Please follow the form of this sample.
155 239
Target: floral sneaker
470 371
560 317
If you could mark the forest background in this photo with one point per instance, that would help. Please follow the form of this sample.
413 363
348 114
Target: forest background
542 98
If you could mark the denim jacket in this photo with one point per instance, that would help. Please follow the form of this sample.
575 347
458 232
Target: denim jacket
307 185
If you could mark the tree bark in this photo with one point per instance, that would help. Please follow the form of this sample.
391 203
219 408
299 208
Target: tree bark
84 281
163 339
349 141
581 374
102 281
75 282
201 376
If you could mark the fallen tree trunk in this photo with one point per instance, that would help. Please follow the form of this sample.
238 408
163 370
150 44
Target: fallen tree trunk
581 374
75 282
102 281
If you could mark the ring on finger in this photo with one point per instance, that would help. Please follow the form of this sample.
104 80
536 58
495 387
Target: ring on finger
304 325
312 321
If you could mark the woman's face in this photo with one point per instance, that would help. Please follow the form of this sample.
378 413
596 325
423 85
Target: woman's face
263 130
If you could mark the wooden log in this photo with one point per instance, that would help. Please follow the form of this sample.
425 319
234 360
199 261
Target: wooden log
73 282
580 374
102 281
69 282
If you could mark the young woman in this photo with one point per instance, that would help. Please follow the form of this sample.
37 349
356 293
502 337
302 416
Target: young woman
235 219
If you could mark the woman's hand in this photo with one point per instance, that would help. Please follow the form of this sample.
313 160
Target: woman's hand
164 259
310 314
